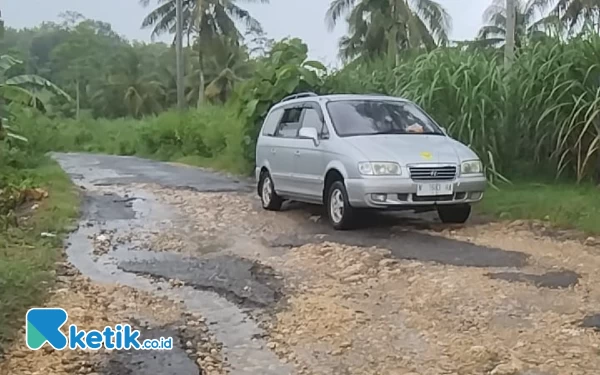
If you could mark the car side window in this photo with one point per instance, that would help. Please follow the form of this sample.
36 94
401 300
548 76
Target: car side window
271 122
313 120
290 123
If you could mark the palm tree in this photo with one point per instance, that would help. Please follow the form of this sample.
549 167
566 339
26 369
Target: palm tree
225 65
139 92
389 25
576 13
528 22
204 18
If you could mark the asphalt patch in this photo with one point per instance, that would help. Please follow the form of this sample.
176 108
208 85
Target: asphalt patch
551 280
241 280
104 170
105 207
414 246
143 362
591 321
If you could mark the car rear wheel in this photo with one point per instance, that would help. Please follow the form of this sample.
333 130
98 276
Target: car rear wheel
455 214
340 213
269 198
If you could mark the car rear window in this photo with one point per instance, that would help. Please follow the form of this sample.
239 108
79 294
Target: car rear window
271 122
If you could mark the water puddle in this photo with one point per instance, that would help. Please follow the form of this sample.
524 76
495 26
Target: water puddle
124 213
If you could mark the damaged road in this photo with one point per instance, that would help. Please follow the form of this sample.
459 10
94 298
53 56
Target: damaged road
248 291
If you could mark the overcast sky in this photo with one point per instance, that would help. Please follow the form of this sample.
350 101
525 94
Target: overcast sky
280 18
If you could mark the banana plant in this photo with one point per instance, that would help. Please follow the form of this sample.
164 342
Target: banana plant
17 90
9 134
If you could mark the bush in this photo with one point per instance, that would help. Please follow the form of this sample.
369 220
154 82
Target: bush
284 71
212 132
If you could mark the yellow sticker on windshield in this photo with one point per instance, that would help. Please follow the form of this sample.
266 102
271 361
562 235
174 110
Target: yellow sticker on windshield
426 155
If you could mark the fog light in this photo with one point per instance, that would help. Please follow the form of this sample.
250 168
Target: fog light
379 197
475 195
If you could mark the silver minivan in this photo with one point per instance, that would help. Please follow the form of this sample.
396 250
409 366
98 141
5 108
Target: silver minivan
351 152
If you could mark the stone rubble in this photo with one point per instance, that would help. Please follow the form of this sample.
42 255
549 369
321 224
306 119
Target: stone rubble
357 310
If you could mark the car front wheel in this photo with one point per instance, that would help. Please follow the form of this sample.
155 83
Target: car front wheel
341 214
269 198
454 214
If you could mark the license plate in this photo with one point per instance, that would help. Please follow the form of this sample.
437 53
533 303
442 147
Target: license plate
435 189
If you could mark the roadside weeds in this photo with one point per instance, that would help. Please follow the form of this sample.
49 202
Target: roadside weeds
28 253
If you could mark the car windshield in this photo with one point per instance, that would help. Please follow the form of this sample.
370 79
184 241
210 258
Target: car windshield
365 117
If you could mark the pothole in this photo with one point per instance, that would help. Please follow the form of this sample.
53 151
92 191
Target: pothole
246 282
414 246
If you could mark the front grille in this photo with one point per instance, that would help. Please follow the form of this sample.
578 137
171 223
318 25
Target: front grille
432 198
432 173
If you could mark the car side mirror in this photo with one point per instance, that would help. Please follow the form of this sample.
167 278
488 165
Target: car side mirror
309 133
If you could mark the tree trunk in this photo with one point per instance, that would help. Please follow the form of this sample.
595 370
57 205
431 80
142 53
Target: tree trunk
201 85
393 45
509 48
200 67
77 99
393 55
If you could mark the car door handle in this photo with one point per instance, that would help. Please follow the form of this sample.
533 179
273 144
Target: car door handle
273 151
297 153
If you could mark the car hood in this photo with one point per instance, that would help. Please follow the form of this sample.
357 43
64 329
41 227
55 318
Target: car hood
411 148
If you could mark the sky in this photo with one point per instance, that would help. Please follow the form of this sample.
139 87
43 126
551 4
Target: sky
280 19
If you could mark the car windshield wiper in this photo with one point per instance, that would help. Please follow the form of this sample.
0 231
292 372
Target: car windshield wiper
398 131
393 131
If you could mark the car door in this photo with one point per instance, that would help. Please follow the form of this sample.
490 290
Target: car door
282 153
309 157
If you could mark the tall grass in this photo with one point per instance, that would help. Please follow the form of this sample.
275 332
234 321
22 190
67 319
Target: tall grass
212 135
540 117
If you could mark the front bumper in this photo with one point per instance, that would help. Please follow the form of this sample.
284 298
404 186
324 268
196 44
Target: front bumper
402 192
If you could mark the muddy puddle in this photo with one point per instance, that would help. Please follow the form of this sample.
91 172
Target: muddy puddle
115 212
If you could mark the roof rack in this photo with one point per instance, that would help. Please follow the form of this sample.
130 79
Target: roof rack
300 95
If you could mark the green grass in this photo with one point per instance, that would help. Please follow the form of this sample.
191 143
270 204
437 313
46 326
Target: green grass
562 205
27 260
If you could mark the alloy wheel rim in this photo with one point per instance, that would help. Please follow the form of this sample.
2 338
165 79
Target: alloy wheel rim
336 206
266 191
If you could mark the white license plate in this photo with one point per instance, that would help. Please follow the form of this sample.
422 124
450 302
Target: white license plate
445 188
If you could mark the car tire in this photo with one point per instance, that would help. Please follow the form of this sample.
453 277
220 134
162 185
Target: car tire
455 214
340 213
268 197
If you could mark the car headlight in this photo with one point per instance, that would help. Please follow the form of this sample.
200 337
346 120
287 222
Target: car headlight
379 168
471 167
